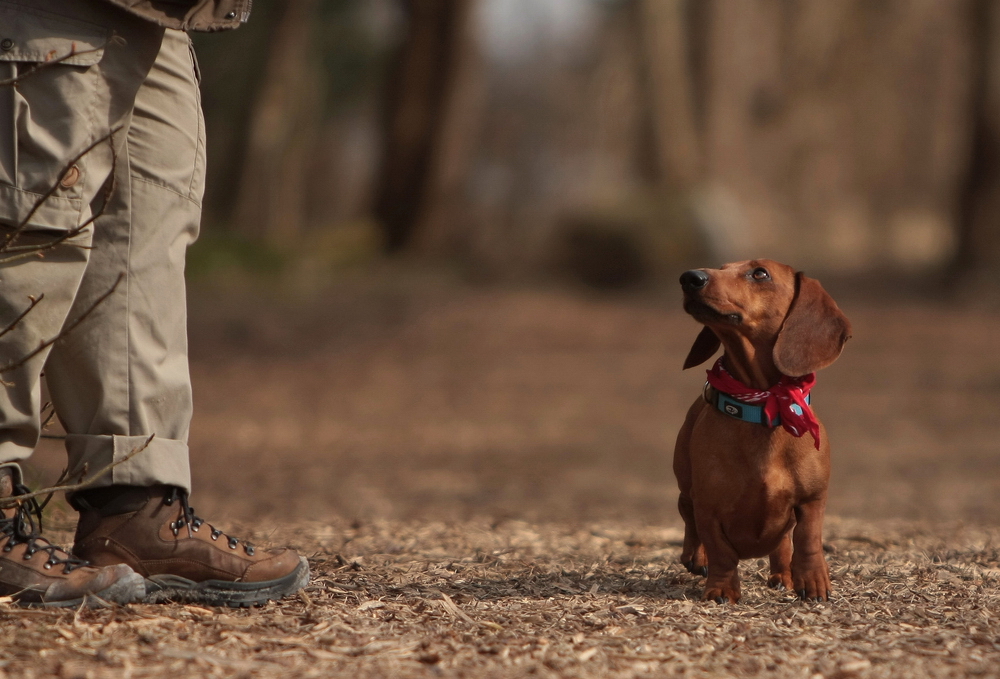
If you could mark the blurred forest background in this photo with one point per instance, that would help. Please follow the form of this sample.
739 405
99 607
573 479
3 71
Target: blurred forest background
417 208
610 140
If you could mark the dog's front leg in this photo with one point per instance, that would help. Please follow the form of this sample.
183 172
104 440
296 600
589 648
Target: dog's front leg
810 574
723 583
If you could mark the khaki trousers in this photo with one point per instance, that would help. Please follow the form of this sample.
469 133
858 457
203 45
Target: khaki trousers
122 374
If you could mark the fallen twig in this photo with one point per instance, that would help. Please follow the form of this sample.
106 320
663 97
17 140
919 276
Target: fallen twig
449 605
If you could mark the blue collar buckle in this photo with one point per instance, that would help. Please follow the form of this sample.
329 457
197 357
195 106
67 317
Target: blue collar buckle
741 410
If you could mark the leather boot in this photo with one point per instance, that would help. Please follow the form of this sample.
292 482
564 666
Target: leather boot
182 557
34 572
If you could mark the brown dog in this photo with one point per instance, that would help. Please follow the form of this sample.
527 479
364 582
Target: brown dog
751 460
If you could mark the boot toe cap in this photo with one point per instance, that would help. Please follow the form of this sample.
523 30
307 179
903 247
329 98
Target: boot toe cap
274 564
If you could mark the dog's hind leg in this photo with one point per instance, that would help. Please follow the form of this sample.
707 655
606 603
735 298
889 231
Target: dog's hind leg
781 564
693 554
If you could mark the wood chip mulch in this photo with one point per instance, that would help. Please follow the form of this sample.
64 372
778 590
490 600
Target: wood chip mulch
516 599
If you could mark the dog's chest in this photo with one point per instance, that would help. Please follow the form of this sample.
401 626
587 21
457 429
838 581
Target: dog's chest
744 464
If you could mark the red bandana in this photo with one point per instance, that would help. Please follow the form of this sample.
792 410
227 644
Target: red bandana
787 398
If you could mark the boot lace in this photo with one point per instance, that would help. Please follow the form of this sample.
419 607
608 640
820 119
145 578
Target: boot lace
188 519
22 529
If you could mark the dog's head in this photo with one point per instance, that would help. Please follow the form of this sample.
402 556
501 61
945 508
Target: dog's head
766 302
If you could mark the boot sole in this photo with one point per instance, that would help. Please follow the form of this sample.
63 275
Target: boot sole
173 588
127 590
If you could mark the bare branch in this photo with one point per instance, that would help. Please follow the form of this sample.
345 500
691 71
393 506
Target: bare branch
54 60
61 481
33 303
23 224
23 251
48 417
73 487
7 246
65 331
26 251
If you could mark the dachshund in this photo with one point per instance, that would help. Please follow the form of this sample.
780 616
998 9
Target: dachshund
751 459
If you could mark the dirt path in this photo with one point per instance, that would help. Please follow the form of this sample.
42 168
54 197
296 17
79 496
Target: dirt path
515 599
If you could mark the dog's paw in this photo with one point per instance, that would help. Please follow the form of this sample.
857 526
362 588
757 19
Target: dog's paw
780 581
806 596
813 585
696 568
695 560
721 595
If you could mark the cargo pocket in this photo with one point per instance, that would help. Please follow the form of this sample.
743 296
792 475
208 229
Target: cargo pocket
48 117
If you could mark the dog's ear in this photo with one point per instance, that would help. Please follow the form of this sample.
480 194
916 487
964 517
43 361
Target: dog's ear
814 331
706 344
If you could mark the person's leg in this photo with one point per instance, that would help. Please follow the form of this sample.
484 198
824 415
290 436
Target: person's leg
45 121
125 377
51 116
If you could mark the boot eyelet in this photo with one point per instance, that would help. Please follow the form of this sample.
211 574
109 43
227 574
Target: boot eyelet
47 565
8 547
194 527
233 542
215 536
248 549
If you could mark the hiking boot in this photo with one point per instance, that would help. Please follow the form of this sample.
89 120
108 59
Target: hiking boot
34 572
182 557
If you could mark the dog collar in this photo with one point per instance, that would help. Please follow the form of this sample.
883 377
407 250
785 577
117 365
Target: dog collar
789 397
741 410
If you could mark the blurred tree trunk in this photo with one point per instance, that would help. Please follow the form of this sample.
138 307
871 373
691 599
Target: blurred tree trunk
271 203
443 225
414 127
978 249
670 90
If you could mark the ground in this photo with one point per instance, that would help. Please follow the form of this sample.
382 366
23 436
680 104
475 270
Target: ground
481 479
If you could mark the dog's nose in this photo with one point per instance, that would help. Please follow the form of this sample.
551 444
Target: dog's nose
695 279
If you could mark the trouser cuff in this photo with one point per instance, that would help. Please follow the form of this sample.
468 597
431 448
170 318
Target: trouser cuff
162 462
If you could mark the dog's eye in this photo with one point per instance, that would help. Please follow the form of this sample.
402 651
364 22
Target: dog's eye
760 274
